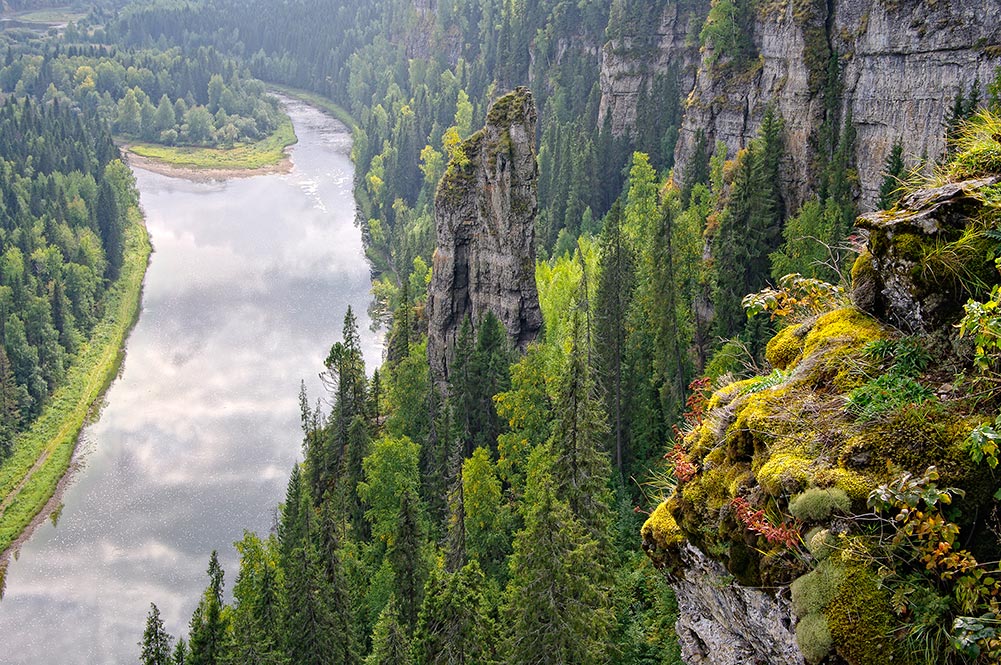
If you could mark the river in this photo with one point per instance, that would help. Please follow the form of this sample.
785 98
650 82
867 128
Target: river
246 291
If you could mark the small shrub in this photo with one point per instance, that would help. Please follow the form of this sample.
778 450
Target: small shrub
815 504
886 393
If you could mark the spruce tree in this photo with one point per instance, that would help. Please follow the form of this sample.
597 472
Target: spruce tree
406 558
453 628
390 642
557 609
156 642
209 625
580 466
893 174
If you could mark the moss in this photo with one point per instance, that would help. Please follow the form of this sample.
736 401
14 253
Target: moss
814 637
814 591
786 348
784 473
816 505
855 485
661 535
820 542
846 327
861 620
831 350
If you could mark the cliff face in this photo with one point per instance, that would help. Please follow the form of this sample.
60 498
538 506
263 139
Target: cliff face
485 211
902 63
631 60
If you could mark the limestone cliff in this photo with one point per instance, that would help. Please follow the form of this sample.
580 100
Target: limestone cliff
632 59
902 62
485 211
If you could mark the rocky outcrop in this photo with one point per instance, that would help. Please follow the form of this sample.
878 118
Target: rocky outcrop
918 264
723 623
631 60
902 62
485 211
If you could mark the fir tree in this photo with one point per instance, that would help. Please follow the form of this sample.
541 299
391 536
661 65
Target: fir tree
557 605
208 623
453 628
407 561
390 643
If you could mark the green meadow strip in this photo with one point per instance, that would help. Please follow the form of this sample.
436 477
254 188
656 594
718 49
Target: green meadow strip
266 152
52 438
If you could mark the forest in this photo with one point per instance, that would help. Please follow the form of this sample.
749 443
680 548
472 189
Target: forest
452 526
65 198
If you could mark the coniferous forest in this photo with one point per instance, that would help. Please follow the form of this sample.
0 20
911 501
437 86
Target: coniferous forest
727 365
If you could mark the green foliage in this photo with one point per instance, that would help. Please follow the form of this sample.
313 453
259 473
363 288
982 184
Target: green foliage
390 473
885 393
897 386
156 642
726 33
894 171
546 588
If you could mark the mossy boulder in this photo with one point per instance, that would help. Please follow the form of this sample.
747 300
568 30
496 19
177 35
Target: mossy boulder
924 258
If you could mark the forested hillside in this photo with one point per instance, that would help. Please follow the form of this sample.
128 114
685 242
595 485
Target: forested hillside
65 200
452 523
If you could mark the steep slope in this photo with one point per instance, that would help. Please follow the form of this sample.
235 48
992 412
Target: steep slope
856 480
900 65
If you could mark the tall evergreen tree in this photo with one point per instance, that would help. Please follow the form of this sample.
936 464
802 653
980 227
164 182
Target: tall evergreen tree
156 642
453 628
406 557
390 642
557 609
207 633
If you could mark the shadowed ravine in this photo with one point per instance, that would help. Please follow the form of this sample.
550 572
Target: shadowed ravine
246 290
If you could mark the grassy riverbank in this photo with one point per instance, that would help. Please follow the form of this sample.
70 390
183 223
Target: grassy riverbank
42 455
250 156
319 101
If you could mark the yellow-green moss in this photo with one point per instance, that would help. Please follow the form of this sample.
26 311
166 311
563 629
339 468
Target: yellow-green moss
831 349
786 348
661 535
861 621
855 485
784 473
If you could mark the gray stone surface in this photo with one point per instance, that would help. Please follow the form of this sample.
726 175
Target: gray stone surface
485 229
903 62
723 623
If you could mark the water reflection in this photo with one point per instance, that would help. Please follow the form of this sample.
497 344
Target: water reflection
246 291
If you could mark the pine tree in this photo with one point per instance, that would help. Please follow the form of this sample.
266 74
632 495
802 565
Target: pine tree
156 642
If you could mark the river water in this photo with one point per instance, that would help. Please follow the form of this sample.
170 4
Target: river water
246 291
